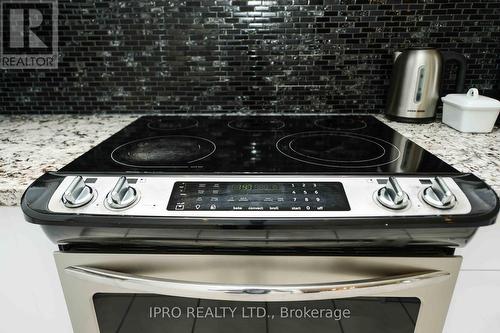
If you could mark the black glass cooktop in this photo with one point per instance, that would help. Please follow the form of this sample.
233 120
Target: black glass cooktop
258 144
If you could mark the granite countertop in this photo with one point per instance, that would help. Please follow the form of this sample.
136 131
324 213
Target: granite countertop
32 145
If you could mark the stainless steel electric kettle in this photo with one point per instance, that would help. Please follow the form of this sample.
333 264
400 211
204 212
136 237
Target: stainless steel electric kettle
416 81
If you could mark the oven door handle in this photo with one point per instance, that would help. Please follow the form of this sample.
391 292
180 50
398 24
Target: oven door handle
262 293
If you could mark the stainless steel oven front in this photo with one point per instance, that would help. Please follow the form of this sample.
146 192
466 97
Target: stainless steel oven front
152 293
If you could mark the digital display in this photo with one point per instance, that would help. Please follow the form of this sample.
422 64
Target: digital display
256 196
255 187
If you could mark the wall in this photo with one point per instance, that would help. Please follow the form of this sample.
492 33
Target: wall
245 56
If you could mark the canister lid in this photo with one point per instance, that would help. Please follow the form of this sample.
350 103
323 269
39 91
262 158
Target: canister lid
471 100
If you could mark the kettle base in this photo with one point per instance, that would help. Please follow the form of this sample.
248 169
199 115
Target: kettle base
410 120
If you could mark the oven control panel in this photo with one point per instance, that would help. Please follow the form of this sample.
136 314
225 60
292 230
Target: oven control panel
259 196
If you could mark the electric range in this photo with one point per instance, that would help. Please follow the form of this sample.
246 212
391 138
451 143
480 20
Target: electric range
175 219
266 180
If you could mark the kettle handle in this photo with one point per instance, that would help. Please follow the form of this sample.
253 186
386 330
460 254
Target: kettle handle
462 66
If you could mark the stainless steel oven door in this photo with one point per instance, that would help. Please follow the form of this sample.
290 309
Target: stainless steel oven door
179 293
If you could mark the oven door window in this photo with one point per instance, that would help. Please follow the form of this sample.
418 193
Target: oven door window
146 313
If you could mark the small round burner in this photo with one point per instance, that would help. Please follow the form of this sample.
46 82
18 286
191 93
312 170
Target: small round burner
340 123
163 151
338 149
256 124
171 124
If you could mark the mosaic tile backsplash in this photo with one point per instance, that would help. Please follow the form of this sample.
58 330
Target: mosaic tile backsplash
246 56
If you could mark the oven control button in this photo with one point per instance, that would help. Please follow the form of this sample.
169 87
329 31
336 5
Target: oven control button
392 196
77 194
439 195
122 195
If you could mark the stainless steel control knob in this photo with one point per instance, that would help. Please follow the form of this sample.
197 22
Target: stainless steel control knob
392 196
77 194
122 195
439 194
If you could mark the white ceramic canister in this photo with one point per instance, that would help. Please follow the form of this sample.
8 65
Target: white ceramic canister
470 112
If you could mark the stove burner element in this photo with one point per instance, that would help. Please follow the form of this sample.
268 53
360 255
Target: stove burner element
341 123
171 124
256 124
163 151
338 149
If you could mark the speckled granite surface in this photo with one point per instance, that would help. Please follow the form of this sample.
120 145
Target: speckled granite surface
467 152
31 145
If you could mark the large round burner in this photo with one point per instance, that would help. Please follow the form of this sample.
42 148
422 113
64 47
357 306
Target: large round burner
338 149
170 124
163 151
335 147
256 124
341 123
